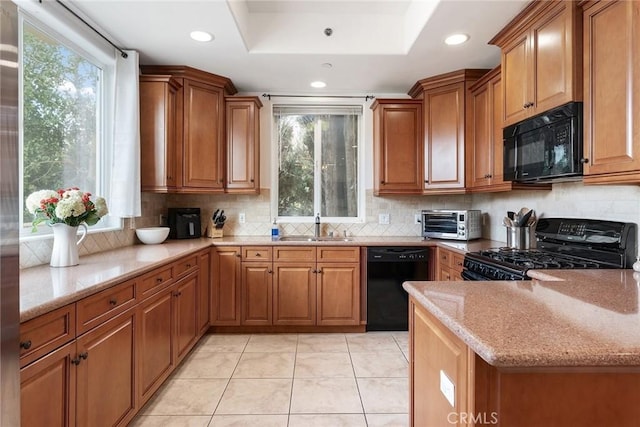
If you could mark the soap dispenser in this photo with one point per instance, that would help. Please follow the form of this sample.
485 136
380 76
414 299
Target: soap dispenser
275 230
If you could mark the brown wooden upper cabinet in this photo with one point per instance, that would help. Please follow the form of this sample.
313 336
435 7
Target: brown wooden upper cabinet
485 150
397 142
611 95
446 101
158 138
541 59
199 157
243 144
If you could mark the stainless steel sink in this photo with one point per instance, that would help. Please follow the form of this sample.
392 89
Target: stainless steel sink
303 238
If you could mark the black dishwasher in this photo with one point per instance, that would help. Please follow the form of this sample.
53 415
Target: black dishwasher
387 269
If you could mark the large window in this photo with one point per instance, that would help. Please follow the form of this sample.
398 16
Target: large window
62 118
318 157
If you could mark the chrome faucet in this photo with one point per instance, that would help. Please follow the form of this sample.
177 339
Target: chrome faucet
316 233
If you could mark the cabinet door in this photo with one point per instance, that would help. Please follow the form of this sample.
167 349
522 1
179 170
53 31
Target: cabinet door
155 337
106 372
495 91
48 390
444 137
612 98
225 290
243 144
338 294
481 147
398 146
158 142
185 298
203 162
437 357
515 80
204 292
257 300
552 59
294 294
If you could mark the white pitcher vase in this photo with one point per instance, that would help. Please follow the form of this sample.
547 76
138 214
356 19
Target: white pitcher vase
65 245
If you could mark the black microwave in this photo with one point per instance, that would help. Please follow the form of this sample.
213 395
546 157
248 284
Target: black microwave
546 147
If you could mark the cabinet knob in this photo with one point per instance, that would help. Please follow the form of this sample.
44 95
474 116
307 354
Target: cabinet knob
188 265
251 180
426 181
584 160
25 344
83 356
258 254
382 182
75 361
158 279
113 301
270 271
238 255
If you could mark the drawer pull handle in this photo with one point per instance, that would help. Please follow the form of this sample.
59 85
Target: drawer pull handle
25 344
113 302
258 254
188 265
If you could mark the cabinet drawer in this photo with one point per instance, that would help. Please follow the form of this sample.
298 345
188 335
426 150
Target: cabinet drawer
256 253
104 305
45 333
457 261
294 253
156 280
185 266
338 254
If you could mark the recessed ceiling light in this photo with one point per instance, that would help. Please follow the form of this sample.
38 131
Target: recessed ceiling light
456 39
201 36
318 84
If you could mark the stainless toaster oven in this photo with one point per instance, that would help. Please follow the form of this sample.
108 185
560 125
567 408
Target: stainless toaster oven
451 224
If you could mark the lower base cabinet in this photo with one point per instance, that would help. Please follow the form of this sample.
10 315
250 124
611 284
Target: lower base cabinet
168 330
450 385
103 376
87 382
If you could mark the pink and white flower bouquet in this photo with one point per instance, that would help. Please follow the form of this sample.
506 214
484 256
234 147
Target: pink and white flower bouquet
70 206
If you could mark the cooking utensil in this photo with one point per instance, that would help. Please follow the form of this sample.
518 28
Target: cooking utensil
524 219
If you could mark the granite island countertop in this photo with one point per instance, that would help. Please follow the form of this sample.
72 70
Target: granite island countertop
560 318
43 288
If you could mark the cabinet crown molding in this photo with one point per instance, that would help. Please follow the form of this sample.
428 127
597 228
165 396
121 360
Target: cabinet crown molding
183 71
459 76
522 21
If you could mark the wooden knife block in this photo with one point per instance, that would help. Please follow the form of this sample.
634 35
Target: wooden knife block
213 232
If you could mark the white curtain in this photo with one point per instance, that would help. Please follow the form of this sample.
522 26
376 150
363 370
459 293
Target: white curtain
124 201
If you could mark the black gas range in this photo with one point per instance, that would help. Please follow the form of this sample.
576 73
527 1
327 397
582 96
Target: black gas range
561 243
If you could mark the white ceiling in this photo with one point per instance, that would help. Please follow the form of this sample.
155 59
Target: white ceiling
277 46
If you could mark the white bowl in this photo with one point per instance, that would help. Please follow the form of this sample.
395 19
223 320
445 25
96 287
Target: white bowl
152 235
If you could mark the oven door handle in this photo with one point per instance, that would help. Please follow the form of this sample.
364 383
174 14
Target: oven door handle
470 275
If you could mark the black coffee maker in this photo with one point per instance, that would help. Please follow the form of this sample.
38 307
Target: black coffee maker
184 223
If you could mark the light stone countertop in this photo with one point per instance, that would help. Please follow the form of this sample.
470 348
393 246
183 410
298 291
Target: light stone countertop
43 288
561 318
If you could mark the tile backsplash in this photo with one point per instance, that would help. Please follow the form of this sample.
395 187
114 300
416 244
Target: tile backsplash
619 203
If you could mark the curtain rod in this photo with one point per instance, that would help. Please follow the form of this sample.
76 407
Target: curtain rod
122 52
269 96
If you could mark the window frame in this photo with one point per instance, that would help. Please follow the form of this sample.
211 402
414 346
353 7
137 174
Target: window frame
321 102
57 30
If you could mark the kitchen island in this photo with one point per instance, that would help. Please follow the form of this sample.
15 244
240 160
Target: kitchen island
562 349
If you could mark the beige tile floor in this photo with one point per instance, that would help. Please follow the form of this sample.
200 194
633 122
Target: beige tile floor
280 380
